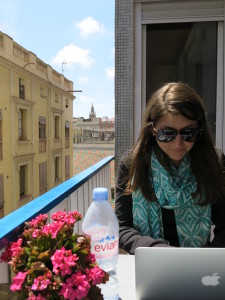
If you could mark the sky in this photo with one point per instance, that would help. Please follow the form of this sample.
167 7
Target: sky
76 38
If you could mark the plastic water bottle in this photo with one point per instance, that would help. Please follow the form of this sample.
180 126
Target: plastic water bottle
100 224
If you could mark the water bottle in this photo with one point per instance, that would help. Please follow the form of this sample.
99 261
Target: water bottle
100 224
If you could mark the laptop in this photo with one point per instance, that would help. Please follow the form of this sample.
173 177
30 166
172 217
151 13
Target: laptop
179 273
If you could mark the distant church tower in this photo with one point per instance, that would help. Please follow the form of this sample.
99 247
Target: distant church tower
92 114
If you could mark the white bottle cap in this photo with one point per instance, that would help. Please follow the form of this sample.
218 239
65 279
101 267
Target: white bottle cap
100 194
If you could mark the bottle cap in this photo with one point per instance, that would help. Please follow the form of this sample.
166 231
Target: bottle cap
100 194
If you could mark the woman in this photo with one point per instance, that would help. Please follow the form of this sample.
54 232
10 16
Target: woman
171 186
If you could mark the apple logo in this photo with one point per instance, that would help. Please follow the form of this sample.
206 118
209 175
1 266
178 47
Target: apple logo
212 280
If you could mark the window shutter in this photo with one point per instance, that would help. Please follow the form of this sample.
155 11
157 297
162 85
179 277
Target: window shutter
67 166
43 175
172 11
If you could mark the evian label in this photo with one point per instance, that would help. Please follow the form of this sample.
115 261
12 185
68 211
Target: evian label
105 247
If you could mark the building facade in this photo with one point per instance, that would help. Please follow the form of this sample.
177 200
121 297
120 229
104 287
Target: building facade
163 41
36 123
93 129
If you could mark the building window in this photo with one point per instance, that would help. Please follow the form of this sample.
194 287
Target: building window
67 134
67 167
0 134
57 168
43 92
42 134
57 123
23 180
43 178
1 196
22 124
56 98
21 88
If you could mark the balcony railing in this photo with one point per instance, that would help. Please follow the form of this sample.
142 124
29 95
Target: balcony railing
73 194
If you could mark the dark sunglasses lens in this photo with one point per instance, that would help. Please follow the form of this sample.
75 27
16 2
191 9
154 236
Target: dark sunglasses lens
190 135
166 135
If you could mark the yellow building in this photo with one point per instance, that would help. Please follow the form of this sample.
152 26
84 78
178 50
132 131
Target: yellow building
36 126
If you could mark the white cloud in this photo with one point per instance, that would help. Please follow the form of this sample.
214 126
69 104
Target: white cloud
89 26
73 54
83 79
110 73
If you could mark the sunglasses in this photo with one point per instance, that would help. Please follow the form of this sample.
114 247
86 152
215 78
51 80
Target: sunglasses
169 134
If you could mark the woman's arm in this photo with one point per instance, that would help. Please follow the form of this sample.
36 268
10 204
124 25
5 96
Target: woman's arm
130 238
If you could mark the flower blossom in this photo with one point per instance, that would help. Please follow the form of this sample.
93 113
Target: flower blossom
18 281
75 287
95 275
63 260
16 247
39 220
53 228
69 218
91 258
41 282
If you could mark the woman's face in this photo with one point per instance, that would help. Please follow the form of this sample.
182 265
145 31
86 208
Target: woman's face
177 148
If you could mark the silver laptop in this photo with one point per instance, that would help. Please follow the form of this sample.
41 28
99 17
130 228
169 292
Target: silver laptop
180 273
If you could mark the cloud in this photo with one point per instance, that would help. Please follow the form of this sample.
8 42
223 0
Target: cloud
89 26
83 79
110 73
73 54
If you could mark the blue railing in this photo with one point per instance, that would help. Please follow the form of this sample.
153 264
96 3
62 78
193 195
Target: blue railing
75 193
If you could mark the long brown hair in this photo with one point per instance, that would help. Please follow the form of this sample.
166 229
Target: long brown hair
177 98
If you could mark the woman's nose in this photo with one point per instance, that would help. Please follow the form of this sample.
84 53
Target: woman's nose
178 140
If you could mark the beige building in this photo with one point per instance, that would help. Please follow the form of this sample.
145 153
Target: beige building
36 124
93 129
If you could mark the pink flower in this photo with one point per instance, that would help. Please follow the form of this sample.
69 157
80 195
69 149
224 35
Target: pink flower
95 275
36 233
75 287
40 283
91 258
18 281
69 218
63 260
39 220
16 247
53 228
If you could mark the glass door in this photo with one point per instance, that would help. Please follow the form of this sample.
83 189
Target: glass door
184 52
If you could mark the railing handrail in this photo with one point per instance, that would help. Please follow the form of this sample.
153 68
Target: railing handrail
12 225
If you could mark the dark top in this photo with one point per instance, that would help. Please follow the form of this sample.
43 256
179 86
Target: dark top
130 238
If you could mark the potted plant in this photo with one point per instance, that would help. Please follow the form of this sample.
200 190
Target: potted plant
50 261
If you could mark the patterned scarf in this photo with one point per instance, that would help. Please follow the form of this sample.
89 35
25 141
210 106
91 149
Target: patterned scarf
173 191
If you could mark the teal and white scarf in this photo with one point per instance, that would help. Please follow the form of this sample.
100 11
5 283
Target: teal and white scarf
173 191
